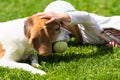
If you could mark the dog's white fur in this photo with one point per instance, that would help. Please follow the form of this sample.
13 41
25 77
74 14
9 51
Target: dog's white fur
16 46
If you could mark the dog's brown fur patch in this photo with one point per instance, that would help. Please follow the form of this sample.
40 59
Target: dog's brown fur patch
2 51
41 35
74 29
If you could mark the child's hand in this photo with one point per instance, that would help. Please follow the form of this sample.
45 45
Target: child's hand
112 44
52 16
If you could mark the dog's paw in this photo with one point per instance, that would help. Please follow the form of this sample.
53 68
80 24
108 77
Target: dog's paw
42 73
39 72
35 64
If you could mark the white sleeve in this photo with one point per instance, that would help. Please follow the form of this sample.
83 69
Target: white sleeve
84 18
81 17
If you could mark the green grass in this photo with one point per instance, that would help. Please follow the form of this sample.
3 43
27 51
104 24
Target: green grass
79 62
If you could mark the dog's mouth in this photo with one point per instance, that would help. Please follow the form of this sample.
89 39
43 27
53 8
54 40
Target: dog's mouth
53 50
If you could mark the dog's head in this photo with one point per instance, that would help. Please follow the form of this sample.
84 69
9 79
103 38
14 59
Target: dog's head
41 36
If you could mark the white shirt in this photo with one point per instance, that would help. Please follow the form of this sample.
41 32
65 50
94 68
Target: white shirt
93 25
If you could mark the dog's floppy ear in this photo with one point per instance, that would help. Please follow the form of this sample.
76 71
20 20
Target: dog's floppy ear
27 27
36 32
41 40
45 45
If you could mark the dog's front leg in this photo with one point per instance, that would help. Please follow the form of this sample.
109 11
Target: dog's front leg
32 58
24 66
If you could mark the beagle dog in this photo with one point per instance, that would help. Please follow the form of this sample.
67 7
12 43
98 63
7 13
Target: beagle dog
18 38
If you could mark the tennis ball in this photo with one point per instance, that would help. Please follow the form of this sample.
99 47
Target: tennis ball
60 46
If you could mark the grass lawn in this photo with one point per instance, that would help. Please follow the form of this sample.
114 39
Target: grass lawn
79 62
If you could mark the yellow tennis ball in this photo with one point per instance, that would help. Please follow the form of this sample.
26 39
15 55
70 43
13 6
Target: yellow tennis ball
60 46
